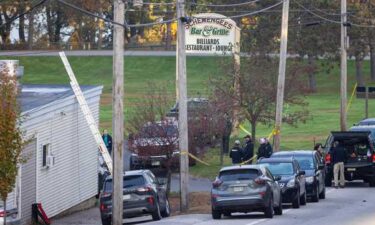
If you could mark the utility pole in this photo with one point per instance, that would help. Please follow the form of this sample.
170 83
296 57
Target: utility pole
117 114
343 66
182 107
281 79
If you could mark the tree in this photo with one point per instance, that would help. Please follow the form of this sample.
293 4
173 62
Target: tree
258 87
11 136
8 11
312 37
152 133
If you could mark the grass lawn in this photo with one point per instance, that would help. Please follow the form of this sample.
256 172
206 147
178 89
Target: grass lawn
323 106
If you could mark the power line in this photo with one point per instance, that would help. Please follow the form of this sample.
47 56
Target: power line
25 13
126 25
226 5
333 21
245 14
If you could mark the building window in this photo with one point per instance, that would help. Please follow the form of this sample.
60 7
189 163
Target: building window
46 153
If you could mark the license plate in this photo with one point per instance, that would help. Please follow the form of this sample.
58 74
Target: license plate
237 189
126 197
155 163
351 169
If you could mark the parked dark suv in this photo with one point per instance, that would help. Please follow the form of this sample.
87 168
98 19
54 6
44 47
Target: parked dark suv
245 189
292 181
313 164
142 194
360 156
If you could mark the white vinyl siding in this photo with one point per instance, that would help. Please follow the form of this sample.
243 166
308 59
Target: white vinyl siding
73 177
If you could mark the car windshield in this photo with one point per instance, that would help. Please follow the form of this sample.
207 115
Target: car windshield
129 181
1 204
276 168
156 130
305 162
240 174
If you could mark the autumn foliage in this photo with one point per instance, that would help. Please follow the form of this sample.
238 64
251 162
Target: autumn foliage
11 136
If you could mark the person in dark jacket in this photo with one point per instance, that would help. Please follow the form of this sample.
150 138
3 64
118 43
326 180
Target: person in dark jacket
265 149
107 140
248 149
236 153
338 159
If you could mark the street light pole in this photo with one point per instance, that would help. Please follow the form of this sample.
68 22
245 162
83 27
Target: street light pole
343 67
281 79
182 107
117 114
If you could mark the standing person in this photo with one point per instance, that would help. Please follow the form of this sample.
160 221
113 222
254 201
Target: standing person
107 141
319 149
265 149
226 133
248 149
236 153
338 158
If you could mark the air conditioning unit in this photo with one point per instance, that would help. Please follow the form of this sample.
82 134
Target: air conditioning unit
50 161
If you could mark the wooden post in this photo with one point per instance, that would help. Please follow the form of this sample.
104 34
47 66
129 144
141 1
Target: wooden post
343 67
237 67
366 104
117 114
182 107
281 79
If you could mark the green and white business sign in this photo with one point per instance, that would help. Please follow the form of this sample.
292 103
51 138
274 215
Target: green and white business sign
211 33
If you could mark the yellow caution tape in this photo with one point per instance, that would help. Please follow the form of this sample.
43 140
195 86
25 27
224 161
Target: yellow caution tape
194 157
351 97
249 160
246 131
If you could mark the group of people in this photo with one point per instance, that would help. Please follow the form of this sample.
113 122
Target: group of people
245 153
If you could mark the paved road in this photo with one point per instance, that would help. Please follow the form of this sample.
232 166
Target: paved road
353 205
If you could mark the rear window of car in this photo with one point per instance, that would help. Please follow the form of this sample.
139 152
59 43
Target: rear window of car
128 182
282 168
240 174
305 162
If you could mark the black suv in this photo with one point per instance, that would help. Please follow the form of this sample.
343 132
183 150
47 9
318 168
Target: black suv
360 156
313 164
142 194
292 181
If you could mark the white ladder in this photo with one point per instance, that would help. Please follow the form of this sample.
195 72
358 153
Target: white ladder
87 113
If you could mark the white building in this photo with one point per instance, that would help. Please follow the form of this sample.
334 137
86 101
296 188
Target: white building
61 171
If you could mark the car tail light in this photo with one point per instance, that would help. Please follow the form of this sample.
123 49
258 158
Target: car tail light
144 189
150 200
260 181
328 158
373 158
2 213
217 183
103 207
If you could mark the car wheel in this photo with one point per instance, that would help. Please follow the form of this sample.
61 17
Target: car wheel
227 214
296 201
106 221
156 214
279 208
303 199
268 211
328 180
315 198
167 211
322 195
216 214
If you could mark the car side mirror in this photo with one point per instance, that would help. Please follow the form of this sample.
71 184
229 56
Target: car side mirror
302 172
277 178
321 166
